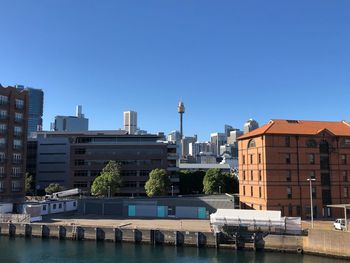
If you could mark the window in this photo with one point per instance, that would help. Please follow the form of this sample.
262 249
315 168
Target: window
251 144
260 176
17 130
18 117
79 151
243 190
311 144
60 206
345 192
2 186
19 104
243 175
2 142
290 210
289 176
251 191
287 158
243 159
251 176
287 141
44 207
298 211
342 159
74 204
54 206
289 192
79 162
313 192
17 144
312 175
3 114
251 158
259 157
311 158
3 99
260 192
16 186
345 176
3 128
260 207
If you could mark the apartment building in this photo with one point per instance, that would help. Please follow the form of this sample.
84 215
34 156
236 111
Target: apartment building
277 159
13 136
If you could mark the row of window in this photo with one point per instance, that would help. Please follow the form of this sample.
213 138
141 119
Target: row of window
16 186
287 158
17 144
19 104
94 173
4 115
79 162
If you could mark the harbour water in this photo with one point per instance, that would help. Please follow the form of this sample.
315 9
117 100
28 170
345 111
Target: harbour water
20 250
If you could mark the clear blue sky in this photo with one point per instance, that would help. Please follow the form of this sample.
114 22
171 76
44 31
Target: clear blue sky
228 60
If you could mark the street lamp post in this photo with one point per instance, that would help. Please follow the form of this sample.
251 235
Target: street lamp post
311 208
219 189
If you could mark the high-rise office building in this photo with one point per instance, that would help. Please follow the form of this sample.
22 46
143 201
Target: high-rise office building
130 121
250 125
13 140
76 123
217 139
35 108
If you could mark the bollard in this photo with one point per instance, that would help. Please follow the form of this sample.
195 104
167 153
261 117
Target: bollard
118 235
12 230
100 234
45 231
179 238
201 239
62 232
27 231
80 233
217 239
137 236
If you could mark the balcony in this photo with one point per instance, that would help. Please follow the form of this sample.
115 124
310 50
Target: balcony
16 175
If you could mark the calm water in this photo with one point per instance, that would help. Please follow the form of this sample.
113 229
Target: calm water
54 251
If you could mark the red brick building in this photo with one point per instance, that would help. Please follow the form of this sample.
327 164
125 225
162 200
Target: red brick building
13 138
276 160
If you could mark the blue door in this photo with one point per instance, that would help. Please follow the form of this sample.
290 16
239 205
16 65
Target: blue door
131 210
202 213
161 211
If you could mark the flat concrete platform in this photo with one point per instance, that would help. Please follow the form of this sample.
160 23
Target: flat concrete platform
164 224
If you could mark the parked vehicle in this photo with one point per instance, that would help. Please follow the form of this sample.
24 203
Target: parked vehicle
339 224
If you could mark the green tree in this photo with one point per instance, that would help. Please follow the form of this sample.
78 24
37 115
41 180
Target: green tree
214 181
53 188
191 182
109 181
28 181
231 183
158 183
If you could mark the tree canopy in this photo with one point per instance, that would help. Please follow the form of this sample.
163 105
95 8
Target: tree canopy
53 188
28 181
191 182
109 181
214 181
158 183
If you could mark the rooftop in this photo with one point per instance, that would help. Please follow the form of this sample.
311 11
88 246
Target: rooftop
301 127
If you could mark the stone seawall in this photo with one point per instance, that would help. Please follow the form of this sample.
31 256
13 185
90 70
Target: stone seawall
327 242
321 242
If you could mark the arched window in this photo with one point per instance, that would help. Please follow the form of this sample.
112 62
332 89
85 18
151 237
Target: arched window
251 143
311 144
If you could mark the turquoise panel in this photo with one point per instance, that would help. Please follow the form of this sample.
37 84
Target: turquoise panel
202 213
131 210
161 211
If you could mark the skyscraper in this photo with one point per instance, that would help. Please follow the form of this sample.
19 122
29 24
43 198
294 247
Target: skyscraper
130 121
35 108
250 125
76 123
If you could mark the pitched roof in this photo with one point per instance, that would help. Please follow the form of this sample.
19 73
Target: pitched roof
341 128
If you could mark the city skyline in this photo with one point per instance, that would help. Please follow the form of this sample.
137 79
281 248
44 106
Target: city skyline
228 62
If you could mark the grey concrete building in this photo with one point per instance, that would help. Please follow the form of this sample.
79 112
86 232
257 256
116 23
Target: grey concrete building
77 123
76 159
